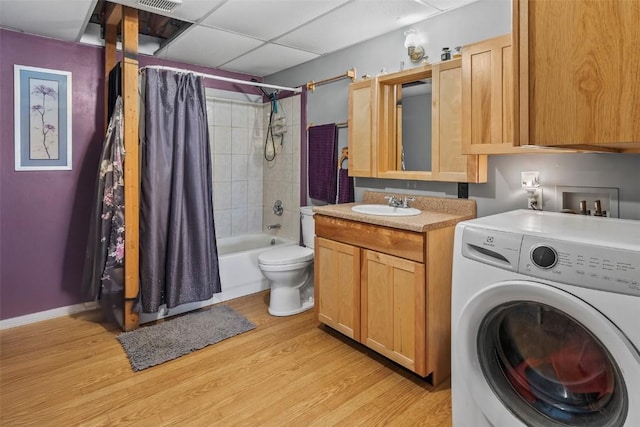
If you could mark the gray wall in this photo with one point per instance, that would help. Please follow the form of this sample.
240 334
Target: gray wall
477 21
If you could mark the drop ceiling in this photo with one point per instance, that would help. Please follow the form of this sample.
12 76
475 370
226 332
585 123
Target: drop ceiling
257 37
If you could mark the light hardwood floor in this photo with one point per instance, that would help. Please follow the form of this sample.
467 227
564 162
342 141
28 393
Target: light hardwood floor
288 371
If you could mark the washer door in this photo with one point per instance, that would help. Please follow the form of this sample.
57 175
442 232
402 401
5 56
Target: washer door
549 358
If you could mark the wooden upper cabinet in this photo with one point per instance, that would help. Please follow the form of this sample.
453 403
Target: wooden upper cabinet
363 128
488 97
577 73
448 161
383 145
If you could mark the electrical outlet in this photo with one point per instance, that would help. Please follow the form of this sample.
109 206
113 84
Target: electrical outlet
534 199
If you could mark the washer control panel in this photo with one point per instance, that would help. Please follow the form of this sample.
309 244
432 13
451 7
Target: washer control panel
589 266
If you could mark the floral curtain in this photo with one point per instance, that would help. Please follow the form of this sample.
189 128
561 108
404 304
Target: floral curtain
103 272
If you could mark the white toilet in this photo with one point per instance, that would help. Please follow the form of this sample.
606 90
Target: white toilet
289 270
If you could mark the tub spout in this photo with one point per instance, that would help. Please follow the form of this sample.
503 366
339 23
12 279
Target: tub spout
272 226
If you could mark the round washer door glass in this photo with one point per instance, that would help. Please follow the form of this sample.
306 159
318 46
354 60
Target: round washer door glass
548 369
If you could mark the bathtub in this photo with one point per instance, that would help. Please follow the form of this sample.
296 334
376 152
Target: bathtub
239 272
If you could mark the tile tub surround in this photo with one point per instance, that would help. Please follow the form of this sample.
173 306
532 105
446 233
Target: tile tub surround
437 212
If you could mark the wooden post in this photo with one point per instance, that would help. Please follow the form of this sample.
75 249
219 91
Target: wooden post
126 18
131 172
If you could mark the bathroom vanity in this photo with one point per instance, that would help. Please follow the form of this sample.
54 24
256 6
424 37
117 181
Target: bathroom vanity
385 281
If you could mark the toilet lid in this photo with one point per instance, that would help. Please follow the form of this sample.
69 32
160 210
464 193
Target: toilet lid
286 255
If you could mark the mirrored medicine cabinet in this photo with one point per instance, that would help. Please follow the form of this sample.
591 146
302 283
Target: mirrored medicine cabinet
404 118
408 125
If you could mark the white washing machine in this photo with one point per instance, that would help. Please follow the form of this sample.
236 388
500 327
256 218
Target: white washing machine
546 321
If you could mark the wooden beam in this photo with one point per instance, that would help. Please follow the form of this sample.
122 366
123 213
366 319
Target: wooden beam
113 14
131 169
110 61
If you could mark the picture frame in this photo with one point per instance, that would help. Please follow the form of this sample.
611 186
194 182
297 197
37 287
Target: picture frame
42 119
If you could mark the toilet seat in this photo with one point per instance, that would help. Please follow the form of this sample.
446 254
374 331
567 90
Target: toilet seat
286 255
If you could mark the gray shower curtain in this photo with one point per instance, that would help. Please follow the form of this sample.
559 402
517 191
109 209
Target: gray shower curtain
178 253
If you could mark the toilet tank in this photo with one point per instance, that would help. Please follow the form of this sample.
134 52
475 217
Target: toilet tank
308 225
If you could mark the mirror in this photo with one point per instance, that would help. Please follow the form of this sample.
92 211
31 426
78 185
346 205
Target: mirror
404 145
414 135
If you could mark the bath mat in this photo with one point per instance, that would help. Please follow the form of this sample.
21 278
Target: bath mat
152 345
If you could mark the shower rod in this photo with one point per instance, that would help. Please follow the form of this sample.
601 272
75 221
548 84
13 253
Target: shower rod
224 79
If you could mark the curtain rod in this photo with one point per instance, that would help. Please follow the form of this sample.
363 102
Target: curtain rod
348 74
225 79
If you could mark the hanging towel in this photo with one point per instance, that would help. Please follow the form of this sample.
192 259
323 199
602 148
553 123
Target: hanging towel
345 187
323 168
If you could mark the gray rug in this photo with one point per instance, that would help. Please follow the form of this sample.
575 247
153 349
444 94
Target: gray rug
152 345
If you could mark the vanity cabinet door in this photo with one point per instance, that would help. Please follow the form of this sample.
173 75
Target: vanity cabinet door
337 286
362 128
487 97
448 162
393 309
577 73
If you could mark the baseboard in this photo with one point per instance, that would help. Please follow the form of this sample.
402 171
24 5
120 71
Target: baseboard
48 314
249 289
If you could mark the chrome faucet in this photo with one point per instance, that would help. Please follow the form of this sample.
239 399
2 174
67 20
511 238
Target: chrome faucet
396 202
406 200
272 226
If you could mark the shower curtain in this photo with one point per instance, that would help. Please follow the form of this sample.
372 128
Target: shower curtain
103 277
178 253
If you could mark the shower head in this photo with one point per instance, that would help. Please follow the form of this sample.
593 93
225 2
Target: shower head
264 92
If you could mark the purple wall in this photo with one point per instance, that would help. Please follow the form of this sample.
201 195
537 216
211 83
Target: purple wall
44 216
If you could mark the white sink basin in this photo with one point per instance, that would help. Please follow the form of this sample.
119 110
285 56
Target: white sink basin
385 210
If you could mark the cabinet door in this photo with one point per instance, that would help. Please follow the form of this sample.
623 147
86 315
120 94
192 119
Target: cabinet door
487 97
362 134
578 73
337 286
393 309
448 162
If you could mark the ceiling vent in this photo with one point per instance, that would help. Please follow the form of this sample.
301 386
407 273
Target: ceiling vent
164 5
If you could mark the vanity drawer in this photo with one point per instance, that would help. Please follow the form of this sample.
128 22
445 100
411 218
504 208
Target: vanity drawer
393 241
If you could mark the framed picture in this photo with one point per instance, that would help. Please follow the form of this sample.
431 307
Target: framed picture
42 100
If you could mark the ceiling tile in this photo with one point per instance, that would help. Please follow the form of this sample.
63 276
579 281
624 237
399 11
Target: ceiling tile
356 22
266 19
269 59
207 46
225 30
446 4
63 20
